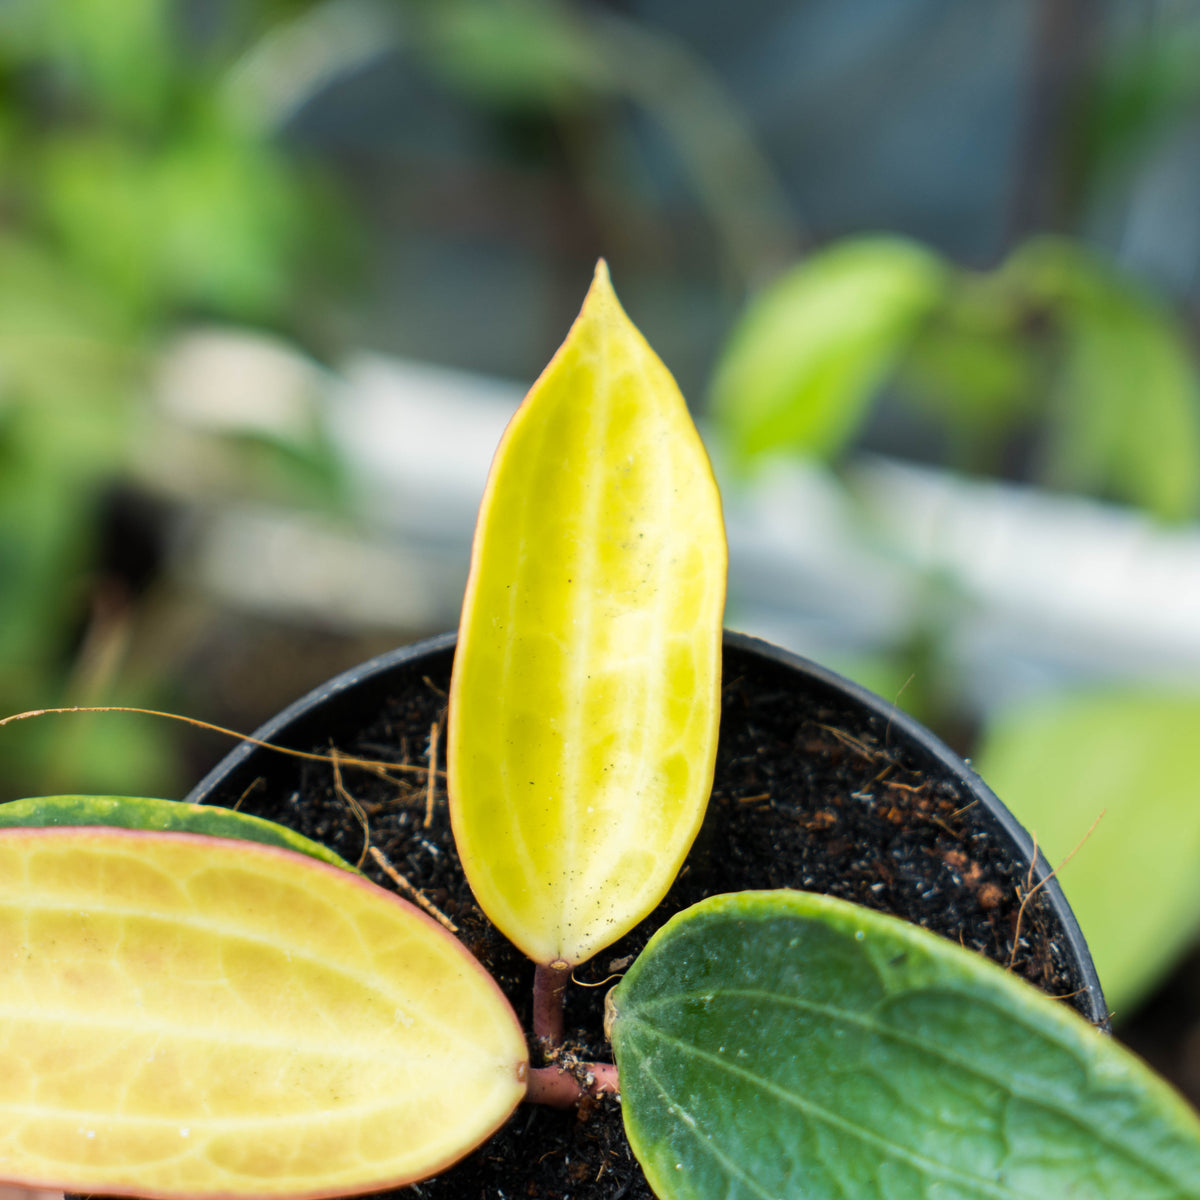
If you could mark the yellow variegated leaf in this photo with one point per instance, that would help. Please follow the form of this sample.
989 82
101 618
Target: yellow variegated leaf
586 688
192 1016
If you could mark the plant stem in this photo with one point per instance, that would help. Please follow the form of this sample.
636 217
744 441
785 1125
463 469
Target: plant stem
558 1087
549 984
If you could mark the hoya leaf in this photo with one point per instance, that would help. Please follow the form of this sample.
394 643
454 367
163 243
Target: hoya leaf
186 1016
804 363
586 688
1131 756
140 812
799 1047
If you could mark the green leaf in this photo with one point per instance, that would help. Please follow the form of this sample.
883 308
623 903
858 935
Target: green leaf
1132 403
232 214
787 1045
187 1016
1129 391
972 367
212 219
806 360
117 57
1135 883
103 182
586 690
976 378
173 816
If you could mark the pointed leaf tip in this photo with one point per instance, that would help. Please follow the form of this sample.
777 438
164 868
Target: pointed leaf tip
585 695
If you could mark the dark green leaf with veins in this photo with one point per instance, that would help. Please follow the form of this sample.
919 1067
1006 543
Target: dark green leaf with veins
784 1045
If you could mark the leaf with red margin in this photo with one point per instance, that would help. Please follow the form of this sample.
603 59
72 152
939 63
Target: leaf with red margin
191 1016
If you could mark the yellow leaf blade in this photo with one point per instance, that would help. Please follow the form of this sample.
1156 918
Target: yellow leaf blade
190 1016
585 697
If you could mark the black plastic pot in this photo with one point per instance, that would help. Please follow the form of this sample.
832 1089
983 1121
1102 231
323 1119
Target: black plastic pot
978 872
819 784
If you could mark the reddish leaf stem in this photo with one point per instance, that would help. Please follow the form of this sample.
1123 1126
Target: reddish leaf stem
558 1087
549 984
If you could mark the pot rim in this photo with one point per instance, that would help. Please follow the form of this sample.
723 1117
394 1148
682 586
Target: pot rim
894 717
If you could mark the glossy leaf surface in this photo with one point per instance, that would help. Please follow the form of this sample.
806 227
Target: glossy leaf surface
1131 755
189 1016
787 1045
805 361
585 696
141 812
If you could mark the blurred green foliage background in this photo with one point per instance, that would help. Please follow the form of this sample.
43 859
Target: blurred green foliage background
135 196
964 234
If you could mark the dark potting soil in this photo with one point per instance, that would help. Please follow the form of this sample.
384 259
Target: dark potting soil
804 796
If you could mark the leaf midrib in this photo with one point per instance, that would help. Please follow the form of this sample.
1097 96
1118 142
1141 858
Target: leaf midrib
368 982
891 1033
808 1108
208 1123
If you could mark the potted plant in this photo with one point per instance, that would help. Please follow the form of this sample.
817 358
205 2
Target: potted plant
192 1012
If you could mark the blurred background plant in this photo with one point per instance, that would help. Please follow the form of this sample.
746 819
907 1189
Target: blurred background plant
137 199
273 274
1052 369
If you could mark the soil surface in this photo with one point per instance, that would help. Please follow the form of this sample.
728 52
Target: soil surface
803 797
